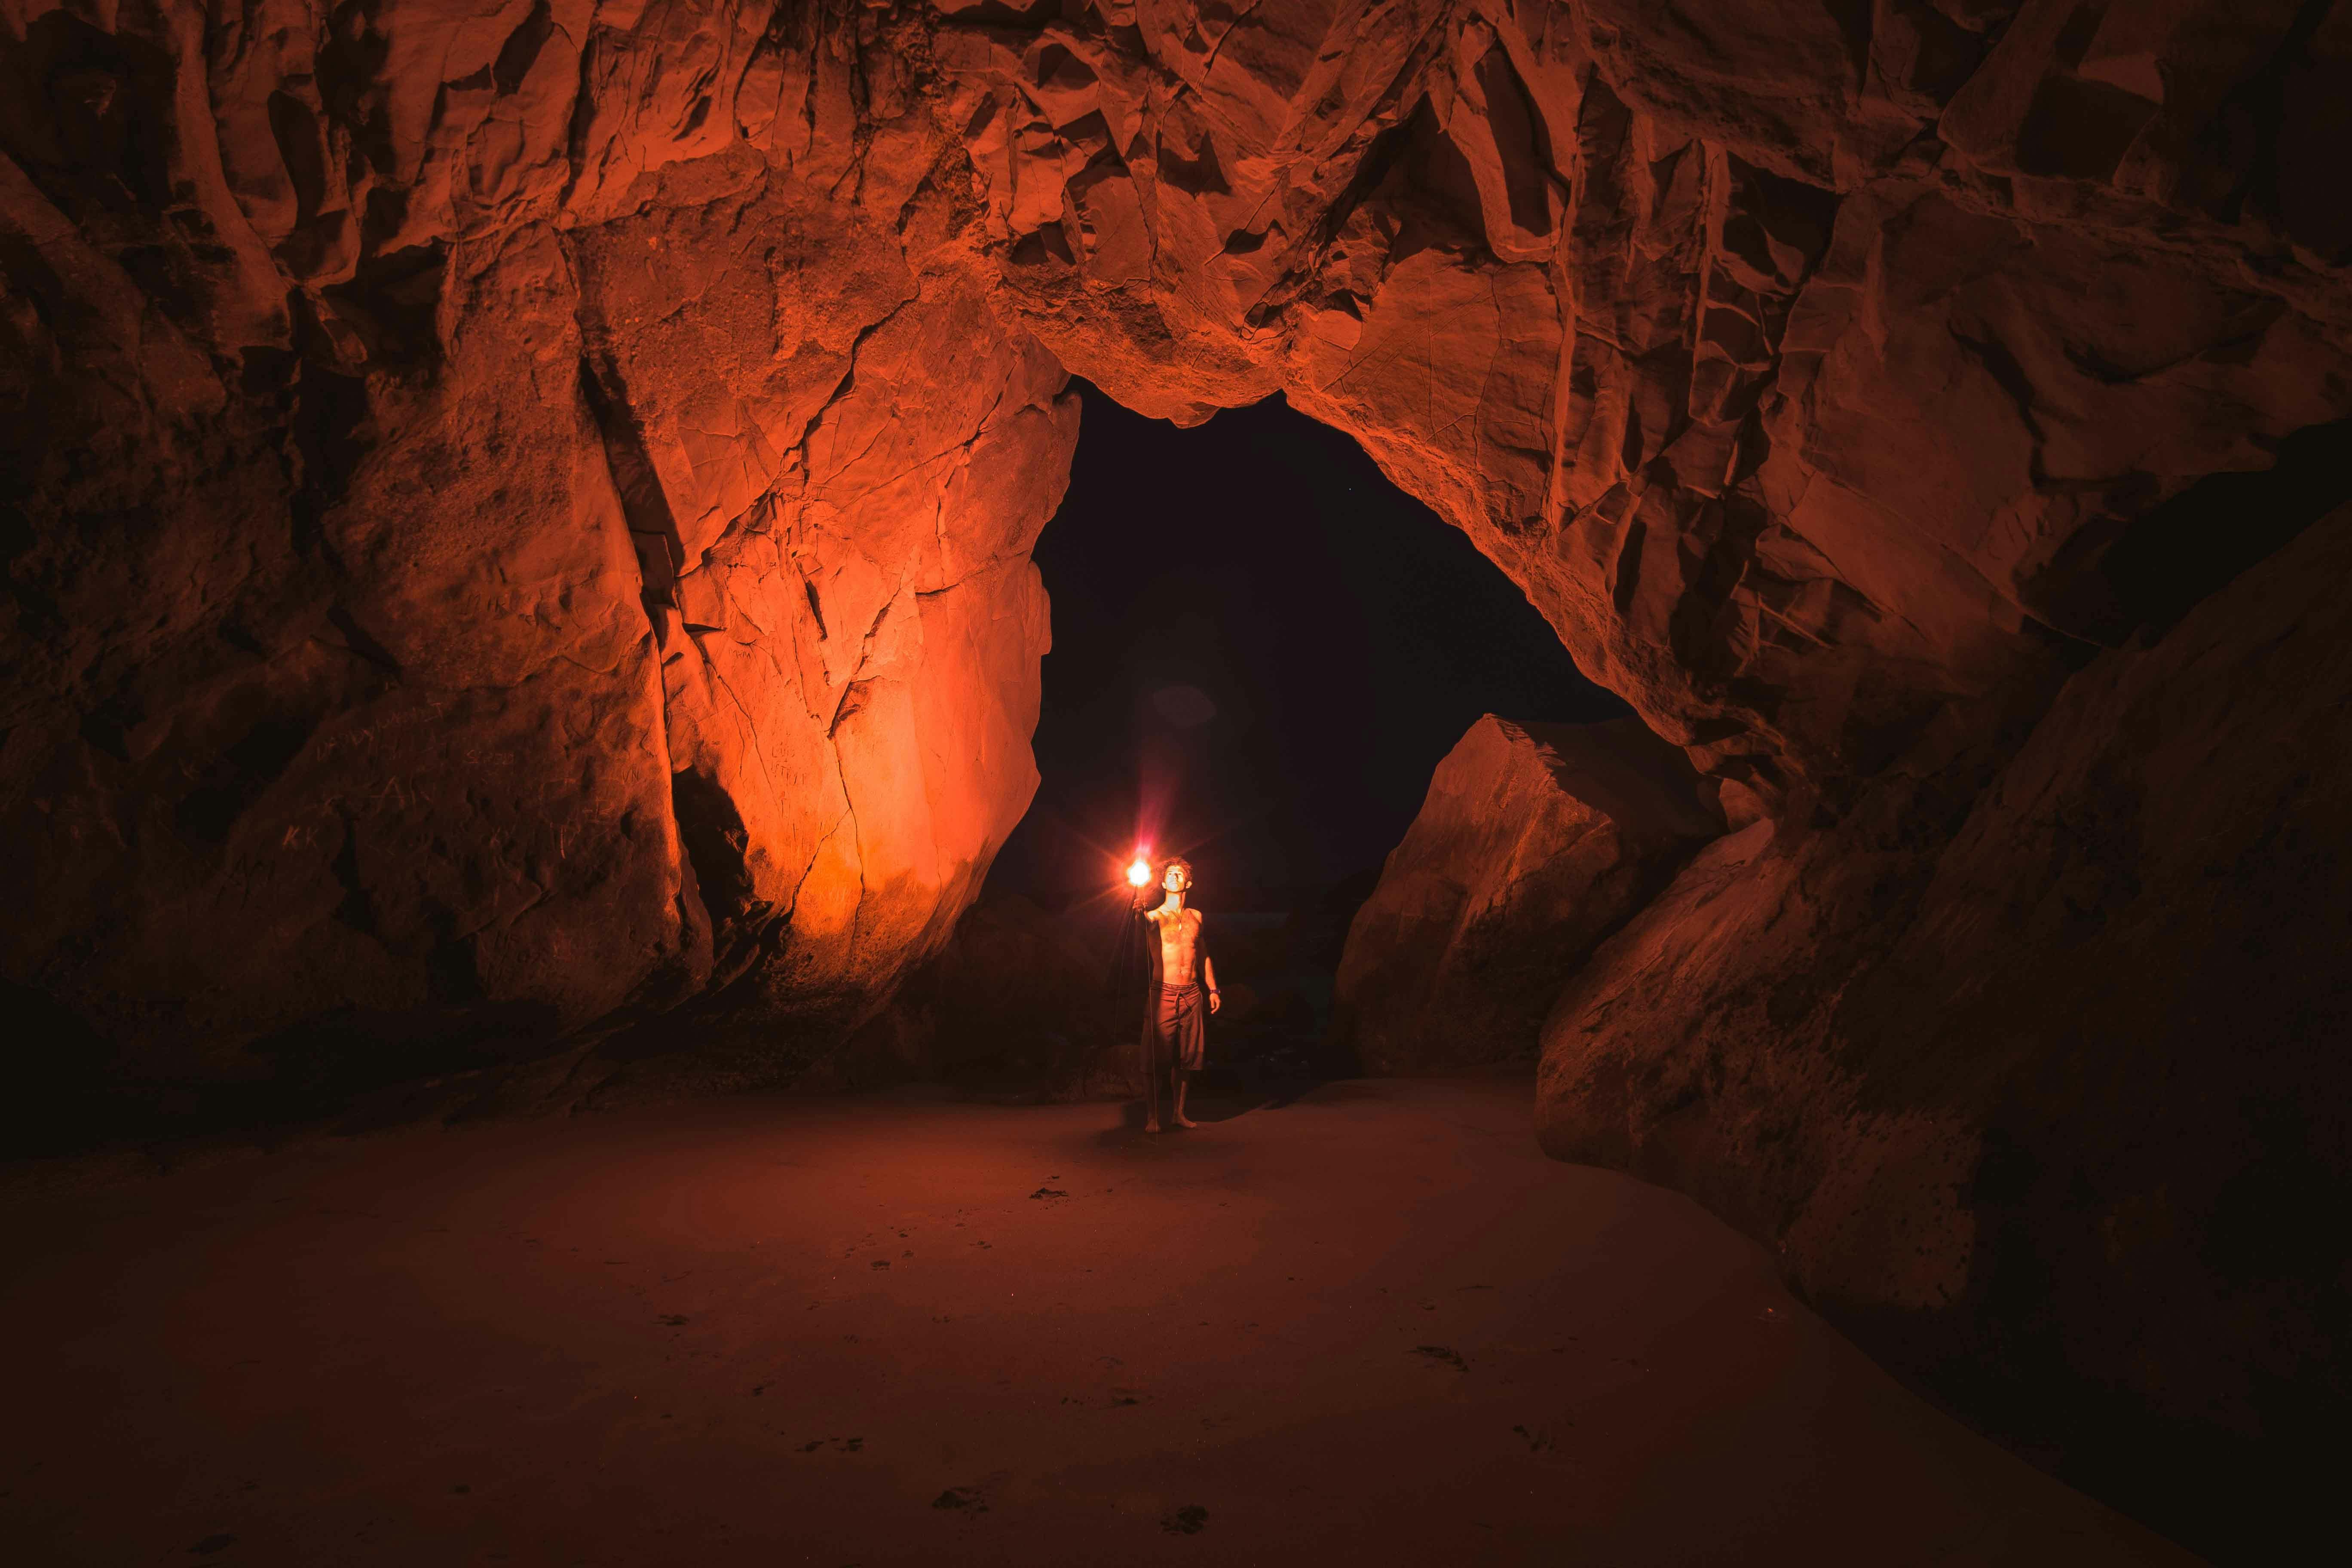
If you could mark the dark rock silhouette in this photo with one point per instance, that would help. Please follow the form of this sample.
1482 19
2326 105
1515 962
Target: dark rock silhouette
2043 1108
1536 842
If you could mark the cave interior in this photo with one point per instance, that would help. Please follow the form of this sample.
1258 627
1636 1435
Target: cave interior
1741 603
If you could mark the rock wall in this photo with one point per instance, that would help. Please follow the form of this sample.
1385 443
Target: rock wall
1808 365
495 552
1840 381
1819 371
1537 841
514 518
2048 1107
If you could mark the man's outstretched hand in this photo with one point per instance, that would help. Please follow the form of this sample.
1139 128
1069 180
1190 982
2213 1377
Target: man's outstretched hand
1215 1002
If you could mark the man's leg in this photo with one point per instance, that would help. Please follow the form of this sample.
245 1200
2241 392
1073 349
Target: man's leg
1158 1051
1185 1040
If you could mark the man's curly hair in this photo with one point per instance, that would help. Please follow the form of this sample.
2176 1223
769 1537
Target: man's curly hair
1175 860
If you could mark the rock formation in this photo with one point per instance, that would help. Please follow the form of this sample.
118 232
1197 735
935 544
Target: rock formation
498 559
1536 842
515 516
1020 1002
2039 1088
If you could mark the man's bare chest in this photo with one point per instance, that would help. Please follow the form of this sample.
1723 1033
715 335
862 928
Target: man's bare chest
1178 937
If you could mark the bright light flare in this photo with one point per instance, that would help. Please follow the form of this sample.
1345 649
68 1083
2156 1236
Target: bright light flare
1138 873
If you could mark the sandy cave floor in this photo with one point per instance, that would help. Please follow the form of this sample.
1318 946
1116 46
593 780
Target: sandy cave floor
1373 1326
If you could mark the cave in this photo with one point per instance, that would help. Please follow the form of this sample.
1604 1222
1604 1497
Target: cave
1258 661
526 530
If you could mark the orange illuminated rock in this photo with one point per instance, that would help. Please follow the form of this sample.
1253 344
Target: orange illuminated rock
515 518
658 412
1536 842
604 581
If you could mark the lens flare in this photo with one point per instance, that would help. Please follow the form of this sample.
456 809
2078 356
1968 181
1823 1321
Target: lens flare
1139 872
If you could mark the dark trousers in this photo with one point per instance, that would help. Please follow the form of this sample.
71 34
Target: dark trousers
1174 1043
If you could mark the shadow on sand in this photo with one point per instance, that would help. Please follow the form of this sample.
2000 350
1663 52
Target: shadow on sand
1224 1095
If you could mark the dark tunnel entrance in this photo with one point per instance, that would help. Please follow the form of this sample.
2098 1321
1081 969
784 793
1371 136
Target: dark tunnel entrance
1262 651
1261 648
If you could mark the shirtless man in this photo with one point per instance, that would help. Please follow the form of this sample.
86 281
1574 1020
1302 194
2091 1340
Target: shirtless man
1174 1028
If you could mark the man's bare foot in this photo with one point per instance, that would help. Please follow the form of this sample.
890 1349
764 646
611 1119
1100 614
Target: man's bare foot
1186 1122
1151 1127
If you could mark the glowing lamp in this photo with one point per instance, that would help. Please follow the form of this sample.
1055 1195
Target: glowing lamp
1138 874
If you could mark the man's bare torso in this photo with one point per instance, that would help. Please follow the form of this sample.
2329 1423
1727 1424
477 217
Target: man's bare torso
1180 945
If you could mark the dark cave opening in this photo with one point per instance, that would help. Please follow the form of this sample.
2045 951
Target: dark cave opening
1262 650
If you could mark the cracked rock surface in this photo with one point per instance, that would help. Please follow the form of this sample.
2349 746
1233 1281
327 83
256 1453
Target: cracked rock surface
516 518
511 542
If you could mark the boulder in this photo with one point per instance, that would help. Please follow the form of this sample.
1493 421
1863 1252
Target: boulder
2037 1110
1536 843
